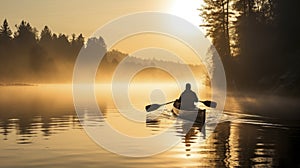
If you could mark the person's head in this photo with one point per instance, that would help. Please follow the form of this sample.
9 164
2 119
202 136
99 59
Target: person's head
188 86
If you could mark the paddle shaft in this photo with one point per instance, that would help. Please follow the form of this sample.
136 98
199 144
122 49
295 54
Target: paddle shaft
153 107
167 103
208 103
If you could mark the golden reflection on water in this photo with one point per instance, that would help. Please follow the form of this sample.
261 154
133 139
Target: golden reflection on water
50 98
38 126
233 144
139 95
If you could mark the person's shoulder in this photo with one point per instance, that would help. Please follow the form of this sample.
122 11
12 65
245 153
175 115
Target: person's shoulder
185 91
194 94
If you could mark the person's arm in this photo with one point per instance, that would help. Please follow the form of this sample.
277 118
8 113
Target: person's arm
195 97
179 98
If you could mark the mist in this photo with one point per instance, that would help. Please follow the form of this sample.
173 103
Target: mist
278 109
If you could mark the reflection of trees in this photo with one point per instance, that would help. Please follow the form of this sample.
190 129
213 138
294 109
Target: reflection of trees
243 145
28 114
6 128
28 123
39 111
46 125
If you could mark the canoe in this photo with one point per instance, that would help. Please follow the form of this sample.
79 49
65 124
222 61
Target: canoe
195 115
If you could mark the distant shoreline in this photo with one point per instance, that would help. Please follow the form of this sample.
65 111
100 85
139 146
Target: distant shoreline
17 84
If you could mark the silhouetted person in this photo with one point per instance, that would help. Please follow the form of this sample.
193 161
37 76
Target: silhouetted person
188 98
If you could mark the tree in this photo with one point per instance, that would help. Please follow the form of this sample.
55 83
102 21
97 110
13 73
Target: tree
256 37
77 43
217 16
217 22
46 35
5 48
25 31
95 43
5 32
261 34
61 45
80 40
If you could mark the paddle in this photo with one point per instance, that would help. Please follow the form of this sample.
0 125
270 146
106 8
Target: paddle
208 103
152 107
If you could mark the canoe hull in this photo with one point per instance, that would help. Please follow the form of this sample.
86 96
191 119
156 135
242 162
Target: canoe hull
197 115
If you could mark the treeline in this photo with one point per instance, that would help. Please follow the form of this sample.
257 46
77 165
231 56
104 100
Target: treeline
29 56
152 73
26 55
258 42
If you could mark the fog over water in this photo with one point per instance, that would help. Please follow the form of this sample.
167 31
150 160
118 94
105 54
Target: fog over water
256 130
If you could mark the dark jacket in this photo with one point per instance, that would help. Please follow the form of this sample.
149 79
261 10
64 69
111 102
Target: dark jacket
187 100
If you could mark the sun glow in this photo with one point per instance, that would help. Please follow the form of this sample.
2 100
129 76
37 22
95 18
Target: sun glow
187 9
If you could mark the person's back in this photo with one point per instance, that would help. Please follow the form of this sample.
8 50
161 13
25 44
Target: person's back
188 98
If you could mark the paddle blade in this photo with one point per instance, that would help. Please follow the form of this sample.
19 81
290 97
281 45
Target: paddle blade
209 103
152 107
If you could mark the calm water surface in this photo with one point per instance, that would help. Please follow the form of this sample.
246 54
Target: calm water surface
39 128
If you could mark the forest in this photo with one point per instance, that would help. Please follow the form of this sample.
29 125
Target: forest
29 57
258 42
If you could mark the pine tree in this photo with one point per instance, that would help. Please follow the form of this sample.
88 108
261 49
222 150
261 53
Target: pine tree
216 15
5 32
46 35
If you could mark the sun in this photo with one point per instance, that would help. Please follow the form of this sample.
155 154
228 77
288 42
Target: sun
188 10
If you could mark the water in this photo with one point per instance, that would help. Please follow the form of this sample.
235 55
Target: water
39 128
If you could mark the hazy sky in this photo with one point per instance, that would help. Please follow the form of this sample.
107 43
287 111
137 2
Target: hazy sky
85 16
